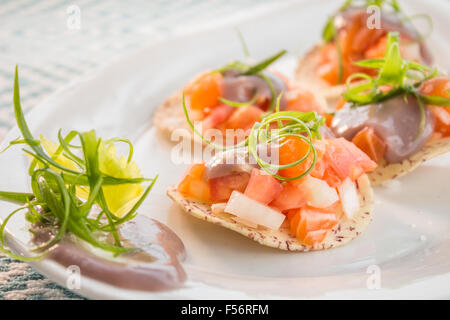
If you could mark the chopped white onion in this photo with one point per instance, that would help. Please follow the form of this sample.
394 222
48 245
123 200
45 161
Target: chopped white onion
349 197
254 211
218 208
319 193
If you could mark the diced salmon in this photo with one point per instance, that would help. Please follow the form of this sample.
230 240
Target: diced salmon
442 119
328 68
312 220
295 219
193 183
370 143
439 86
290 214
331 177
204 92
357 42
292 149
378 50
306 221
315 237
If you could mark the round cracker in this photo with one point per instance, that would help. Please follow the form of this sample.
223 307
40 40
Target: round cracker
306 75
169 116
385 171
341 234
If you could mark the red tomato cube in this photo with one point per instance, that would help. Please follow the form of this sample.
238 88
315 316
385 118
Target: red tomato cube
263 187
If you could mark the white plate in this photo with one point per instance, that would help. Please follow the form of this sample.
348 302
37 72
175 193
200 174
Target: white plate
407 245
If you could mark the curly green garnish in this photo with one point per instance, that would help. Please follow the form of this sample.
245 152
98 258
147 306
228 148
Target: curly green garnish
395 76
394 72
293 124
304 125
329 32
66 185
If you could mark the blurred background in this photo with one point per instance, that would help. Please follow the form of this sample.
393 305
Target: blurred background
54 42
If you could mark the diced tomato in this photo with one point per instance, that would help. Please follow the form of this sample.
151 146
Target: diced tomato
193 183
221 187
244 117
204 92
291 197
290 214
307 220
347 160
312 220
262 187
302 100
216 116
370 143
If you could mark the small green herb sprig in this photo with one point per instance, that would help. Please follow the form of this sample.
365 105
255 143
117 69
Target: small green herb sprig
257 70
329 31
400 76
55 201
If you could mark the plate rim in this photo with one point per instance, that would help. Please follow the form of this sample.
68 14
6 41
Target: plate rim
47 267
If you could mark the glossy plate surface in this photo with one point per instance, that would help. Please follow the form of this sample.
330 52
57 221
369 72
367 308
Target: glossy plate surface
407 244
